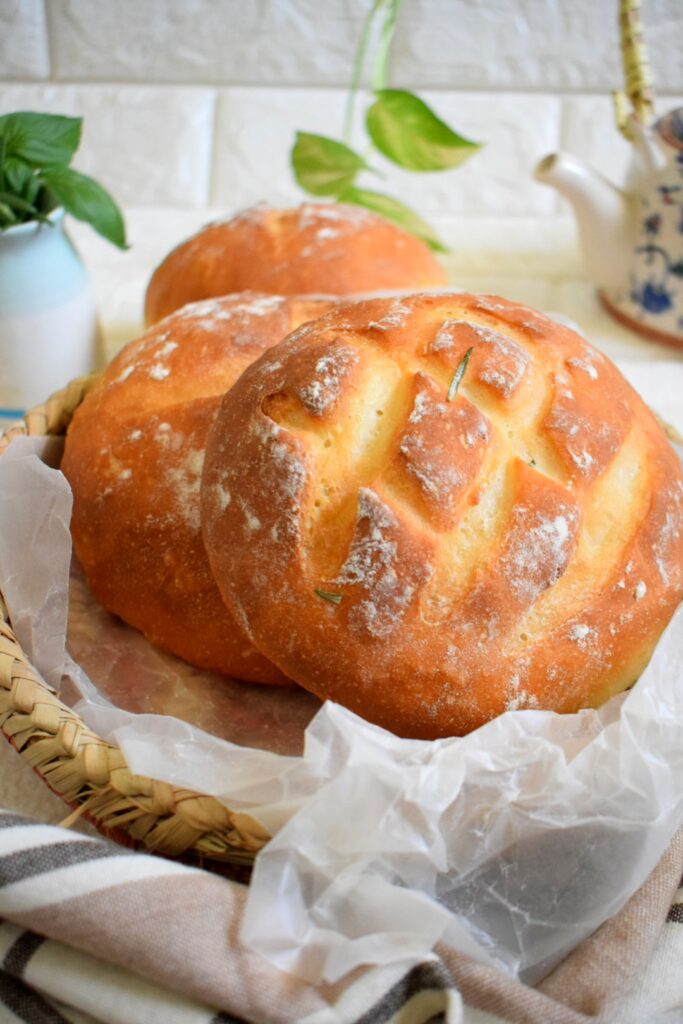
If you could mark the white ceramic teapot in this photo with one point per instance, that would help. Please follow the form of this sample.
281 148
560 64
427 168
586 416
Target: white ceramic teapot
632 238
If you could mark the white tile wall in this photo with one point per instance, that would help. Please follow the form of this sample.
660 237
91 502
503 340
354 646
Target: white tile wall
190 103
517 130
529 44
588 131
147 144
254 135
453 44
221 41
23 39
255 130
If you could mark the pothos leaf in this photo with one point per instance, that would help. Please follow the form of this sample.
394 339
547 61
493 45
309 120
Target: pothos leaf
322 166
407 132
395 211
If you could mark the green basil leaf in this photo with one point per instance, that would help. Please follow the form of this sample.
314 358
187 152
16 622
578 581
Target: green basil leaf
84 199
41 138
7 217
407 132
21 178
16 203
322 166
397 212
36 194
18 174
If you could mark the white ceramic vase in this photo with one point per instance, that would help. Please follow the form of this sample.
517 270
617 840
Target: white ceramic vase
49 332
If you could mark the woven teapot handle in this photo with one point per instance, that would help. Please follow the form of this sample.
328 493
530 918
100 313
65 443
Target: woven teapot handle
636 103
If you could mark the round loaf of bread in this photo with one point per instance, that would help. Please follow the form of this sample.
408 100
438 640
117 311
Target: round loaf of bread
133 456
438 508
313 249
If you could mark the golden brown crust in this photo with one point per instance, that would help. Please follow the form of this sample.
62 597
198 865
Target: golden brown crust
312 249
518 546
133 456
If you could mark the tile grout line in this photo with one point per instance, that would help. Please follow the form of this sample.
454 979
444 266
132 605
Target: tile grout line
213 150
49 41
216 87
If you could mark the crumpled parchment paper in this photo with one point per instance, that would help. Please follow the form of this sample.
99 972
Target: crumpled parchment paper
511 844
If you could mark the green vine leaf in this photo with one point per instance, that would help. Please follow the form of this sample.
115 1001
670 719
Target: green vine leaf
322 166
41 139
407 132
390 12
399 125
84 199
395 211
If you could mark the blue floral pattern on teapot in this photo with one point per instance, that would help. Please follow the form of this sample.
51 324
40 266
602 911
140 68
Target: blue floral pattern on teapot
657 273
632 237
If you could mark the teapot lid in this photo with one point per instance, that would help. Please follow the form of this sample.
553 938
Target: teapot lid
670 128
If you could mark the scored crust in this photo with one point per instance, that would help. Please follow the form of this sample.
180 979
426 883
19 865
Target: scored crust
430 563
312 249
133 456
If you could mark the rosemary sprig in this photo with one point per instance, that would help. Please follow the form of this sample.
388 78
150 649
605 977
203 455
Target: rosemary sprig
458 375
326 596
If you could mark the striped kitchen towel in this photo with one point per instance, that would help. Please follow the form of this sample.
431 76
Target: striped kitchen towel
91 932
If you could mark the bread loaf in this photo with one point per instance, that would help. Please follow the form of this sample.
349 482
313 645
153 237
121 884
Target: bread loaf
438 508
133 456
313 249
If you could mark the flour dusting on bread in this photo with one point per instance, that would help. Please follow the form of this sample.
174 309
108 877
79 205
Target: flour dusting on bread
514 542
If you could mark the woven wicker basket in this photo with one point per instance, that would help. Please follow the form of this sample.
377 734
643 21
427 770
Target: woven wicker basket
87 772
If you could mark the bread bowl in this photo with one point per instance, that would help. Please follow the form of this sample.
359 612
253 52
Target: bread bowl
468 508
133 456
313 249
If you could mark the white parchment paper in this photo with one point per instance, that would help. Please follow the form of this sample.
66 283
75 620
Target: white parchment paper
512 844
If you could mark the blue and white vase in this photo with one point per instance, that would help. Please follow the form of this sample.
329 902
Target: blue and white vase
49 332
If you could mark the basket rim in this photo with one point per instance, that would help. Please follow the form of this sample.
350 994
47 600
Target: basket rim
86 771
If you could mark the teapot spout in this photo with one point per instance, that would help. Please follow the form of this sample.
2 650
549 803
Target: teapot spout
605 216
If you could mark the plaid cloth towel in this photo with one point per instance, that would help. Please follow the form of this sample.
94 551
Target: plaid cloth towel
93 932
